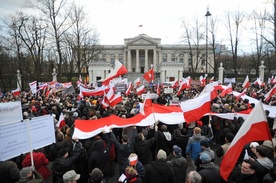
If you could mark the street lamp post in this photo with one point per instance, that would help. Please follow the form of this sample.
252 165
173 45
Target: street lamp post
206 54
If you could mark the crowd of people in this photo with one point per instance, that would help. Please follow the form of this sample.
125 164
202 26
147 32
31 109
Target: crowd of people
158 153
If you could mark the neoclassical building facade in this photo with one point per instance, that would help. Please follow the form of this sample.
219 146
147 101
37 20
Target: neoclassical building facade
140 53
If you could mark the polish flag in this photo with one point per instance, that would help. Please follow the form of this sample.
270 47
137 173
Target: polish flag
79 82
158 90
175 84
183 85
254 128
118 70
128 89
16 92
116 99
212 80
147 103
246 82
227 90
98 91
202 80
149 76
270 94
137 82
194 109
61 121
211 88
273 80
241 94
66 85
140 90
259 82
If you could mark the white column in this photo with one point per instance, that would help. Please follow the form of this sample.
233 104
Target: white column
220 73
129 63
163 76
146 61
160 57
261 71
137 61
19 83
54 74
90 73
154 59
124 57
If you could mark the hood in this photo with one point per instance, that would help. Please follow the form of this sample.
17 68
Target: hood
208 165
168 136
160 166
197 136
266 162
179 161
99 144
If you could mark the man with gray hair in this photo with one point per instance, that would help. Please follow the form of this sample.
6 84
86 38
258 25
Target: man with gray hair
194 177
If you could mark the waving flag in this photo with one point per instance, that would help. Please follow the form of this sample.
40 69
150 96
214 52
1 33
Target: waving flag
116 99
246 82
137 82
61 121
158 90
270 94
259 82
128 89
195 108
118 70
241 94
212 79
227 90
16 92
140 90
149 76
255 128
202 80
79 82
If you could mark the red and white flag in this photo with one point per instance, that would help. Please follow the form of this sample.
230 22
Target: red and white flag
61 121
33 87
254 128
79 82
194 109
259 82
16 92
273 80
241 94
147 103
149 76
140 90
227 90
212 79
116 99
129 88
270 93
246 82
211 88
137 82
158 90
183 85
175 84
118 70
202 80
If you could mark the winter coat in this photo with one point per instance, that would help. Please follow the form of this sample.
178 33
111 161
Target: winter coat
53 151
123 152
61 165
37 179
143 150
9 172
40 163
100 158
210 173
245 178
159 172
179 165
194 148
164 141
263 167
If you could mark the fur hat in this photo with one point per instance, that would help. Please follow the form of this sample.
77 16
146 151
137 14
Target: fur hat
161 154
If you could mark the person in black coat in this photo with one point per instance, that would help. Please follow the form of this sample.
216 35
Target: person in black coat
247 173
143 146
164 139
124 149
209 171
159 171
64 163
9 172
100 157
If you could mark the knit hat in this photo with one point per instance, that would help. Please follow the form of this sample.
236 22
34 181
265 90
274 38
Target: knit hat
70 176
161 154
177 150
229 137
133 159
205 158
254 144
96 175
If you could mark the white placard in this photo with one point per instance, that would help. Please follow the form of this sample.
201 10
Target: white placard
14 137
168 90
10 112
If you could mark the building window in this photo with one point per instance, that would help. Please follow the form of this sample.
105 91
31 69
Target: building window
112 58
104 57
164 57
173 57
181 59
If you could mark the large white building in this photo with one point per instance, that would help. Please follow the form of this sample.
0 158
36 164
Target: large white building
140 53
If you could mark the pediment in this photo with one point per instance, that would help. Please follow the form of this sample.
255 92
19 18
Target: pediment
142 40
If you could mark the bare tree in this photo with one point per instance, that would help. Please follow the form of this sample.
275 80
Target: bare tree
56 15
234 21
193 36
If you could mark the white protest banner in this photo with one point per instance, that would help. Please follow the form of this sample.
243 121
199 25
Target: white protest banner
10 112
18 138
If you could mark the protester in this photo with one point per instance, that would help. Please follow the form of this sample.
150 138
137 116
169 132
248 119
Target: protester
70 177
30 175
9 172
247 173
96 176
194 177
